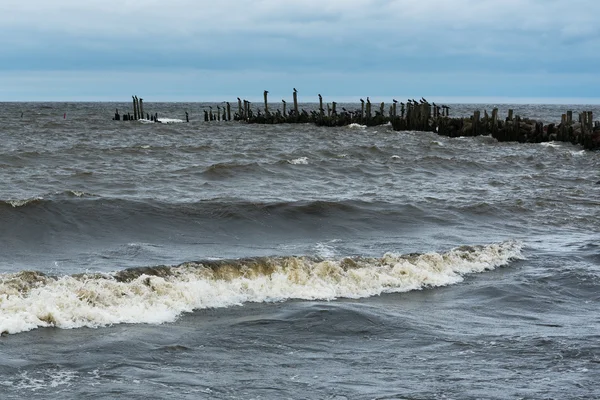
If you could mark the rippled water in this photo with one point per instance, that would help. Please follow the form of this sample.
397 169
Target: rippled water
299 262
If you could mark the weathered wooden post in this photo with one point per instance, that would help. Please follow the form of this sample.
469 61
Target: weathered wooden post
362 109
137 102
394 108
382 108
321 110
476 116
328 111
569 117
228 111
187 116
368 109
284 108
240 110
218 113
134 108
296 114
333 108
141 108
495 123
266 92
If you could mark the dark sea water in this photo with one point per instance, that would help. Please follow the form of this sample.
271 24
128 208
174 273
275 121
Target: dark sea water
230 261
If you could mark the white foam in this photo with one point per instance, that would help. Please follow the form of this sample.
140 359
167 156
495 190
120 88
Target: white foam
550 144
357 126
169 120
23 202
298 161
50 378
326 250
100 300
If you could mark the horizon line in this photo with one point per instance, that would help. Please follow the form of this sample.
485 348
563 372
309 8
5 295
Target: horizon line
499 100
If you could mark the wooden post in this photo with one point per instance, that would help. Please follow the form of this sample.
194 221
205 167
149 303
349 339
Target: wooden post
569 117
228 111
240 110
266 92
476 116
394 109
296 114
495 122
382 108
368 109
321 110
284 106
362 109
137 103
134 108
510 115
333 110
328 110
141 108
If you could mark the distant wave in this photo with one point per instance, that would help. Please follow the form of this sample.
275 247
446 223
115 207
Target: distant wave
230 169
47 198
30 300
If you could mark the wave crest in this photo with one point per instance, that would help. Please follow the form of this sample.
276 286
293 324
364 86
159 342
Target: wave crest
29 300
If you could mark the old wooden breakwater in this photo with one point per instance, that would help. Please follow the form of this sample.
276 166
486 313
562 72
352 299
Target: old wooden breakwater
413 115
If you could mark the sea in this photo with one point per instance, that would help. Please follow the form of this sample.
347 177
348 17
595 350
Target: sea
225 260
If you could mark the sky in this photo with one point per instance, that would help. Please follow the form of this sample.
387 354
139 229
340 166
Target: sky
196 50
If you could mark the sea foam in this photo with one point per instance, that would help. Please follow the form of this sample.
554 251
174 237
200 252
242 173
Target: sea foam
29 300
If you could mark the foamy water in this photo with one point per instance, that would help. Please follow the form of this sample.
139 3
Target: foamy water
29 301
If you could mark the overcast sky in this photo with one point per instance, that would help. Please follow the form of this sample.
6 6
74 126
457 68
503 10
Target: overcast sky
188 50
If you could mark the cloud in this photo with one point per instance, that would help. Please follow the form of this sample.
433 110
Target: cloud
500 38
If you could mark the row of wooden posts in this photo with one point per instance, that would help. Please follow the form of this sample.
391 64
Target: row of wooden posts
413 115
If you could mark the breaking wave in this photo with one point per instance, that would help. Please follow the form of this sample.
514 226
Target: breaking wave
30 300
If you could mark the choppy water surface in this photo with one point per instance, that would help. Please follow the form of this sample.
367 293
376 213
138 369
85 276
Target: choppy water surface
225 260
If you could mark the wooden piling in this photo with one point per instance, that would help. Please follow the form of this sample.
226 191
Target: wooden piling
134 108
141 108
296 114
362 109
475 127
266 92
321 110
137 103
495 123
